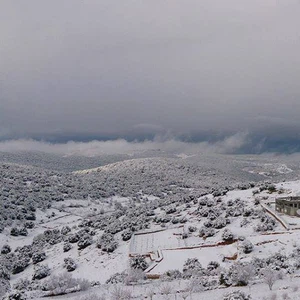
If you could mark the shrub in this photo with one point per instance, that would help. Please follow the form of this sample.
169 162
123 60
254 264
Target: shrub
74 238
41 272
246 246
237 275
23 231
256 201
278 261
4 273
29 225
93 297
126 234
61 284
219 223
212 265
206 232
170 209
138 262
14 231
219 193
120 293
203 212
67 247
4 287
173 274
107 242
210 202
135 275
70 264
25 251
84 242
23 285
50 237
203 201
38 257
192 267
236 295
192 229
16 295
244 222
184 236
65 230
5 249
271 188
227 235
116 278
266 223
19 265
247 212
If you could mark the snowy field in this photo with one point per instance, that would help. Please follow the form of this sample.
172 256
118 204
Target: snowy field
175 259
164 239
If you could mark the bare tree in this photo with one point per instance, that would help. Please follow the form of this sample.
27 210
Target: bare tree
119 293
270 276
127 294
166 290
134 275
93 297
184 295
116 293
150 292
194 286
60 284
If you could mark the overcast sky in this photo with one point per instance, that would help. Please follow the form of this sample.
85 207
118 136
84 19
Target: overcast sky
199 70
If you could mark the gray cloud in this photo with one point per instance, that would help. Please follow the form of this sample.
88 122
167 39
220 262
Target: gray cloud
141 68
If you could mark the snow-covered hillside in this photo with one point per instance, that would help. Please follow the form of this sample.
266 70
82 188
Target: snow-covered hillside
161 226
213 232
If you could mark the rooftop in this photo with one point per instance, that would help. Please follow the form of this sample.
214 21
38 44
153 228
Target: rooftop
289 198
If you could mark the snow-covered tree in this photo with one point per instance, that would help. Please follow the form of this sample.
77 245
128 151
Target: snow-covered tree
138 262
192 267
38 257
85 241
40 272
70 264
227 235
107 242
67 247
236 295
5 249
246 246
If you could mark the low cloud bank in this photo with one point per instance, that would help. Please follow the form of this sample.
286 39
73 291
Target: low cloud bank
231 144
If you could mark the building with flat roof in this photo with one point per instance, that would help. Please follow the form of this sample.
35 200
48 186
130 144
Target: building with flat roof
288 205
